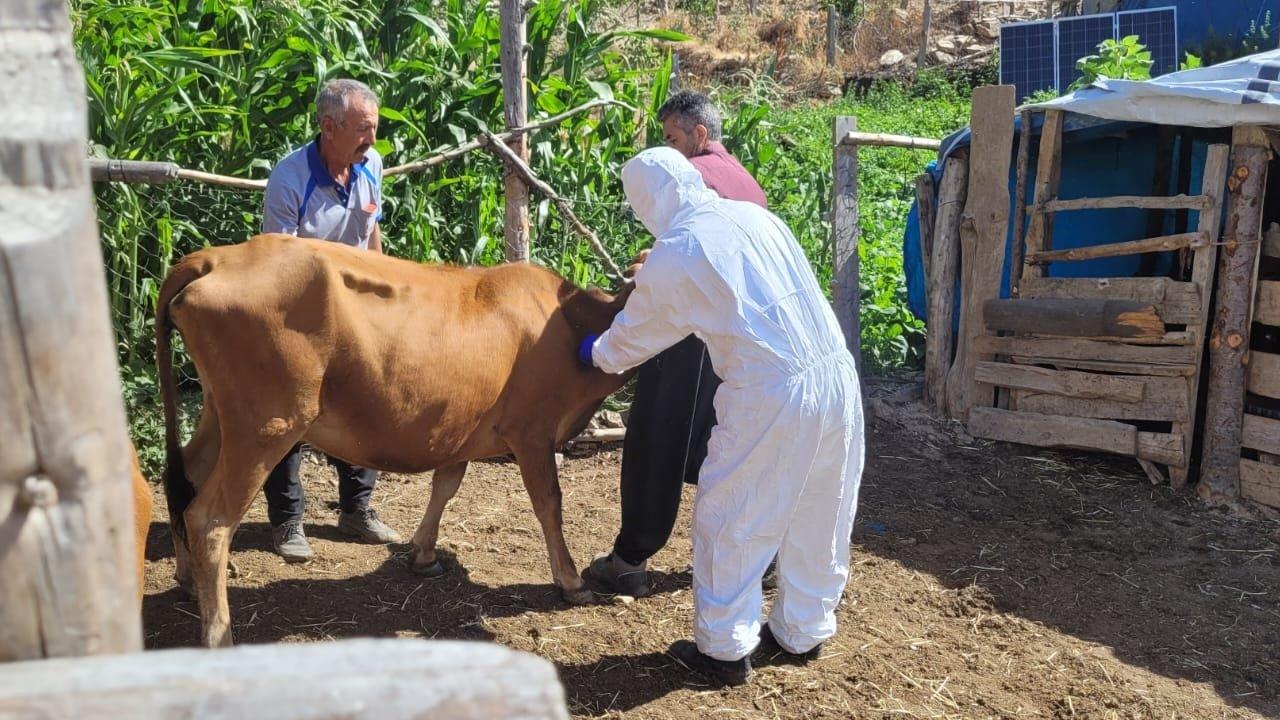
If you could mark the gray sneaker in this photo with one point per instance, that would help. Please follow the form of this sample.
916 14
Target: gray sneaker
291 542
365 525
618 576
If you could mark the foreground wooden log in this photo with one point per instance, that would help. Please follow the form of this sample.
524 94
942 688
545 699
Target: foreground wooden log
1229 341
67 582
376 679
1084 317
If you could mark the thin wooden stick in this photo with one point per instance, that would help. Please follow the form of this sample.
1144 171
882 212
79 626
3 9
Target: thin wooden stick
1176 202
500 148
1193 240
479 141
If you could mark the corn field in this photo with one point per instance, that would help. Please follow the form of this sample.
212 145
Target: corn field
228 86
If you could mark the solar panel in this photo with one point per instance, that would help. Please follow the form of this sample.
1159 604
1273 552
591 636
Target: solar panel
1078 37
1157 29
1027 57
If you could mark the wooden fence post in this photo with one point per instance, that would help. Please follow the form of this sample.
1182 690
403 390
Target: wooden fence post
516 225
844 234
982 232
67 582
833 34
943 269
1229 339
922 58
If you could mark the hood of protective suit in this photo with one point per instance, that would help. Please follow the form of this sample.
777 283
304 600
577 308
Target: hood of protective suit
662 187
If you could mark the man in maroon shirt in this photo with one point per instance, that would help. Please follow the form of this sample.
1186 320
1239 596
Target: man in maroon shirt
672 414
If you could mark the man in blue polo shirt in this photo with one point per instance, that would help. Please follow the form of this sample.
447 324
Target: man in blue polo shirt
330 189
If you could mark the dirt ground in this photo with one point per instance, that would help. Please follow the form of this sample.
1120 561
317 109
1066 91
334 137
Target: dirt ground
990 581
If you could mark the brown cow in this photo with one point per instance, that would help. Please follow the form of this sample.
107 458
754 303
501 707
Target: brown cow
384 363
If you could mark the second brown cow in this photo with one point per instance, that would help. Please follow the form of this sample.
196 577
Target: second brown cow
381 362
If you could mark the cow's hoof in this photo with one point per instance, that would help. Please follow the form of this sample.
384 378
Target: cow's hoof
581 596
433 569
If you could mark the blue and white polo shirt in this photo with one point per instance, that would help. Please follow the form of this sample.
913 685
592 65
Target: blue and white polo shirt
303 199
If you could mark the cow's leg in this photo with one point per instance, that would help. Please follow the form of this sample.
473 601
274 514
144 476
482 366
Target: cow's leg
538 469
444 484
212 519
199 457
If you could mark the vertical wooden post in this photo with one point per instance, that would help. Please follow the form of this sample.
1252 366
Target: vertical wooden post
1203 263
516 226
67 582
833 34
844 234
927 210
942 280
922 58
982 232
751 7
673 82
1229 340
1020 205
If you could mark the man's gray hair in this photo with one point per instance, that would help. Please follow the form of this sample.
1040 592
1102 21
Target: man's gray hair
690 108
335 98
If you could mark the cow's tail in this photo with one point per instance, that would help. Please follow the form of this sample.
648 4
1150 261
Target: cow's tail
178 489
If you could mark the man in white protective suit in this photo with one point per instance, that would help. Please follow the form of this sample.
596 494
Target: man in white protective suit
784 463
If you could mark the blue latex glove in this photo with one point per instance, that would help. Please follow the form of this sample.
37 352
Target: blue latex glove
584 350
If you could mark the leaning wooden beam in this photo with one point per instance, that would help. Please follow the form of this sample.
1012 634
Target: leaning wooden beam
943 267
67 583
1176 202
1229 341
1266 308
1020 206
1083 317
887 140
1042 430
1048 176
314 681
495 143
982 258
1264 374
1192 240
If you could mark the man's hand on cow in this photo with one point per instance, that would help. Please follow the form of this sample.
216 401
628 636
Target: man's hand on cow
584 351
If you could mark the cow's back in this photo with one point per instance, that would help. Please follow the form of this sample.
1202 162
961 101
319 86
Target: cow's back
388 363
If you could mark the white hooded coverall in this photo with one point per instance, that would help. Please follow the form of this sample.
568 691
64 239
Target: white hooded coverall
784 462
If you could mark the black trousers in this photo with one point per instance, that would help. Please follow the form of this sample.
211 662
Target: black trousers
285 501
667 433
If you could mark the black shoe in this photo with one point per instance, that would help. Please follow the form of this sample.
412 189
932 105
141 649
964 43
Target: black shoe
290 542
619 577
726 672
770 647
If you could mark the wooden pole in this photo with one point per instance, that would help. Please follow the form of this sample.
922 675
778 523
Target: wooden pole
360 678
1229 341
844 234
67 584
922 59
887 140
1020 205
833 34
943 268
516 225
982 252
